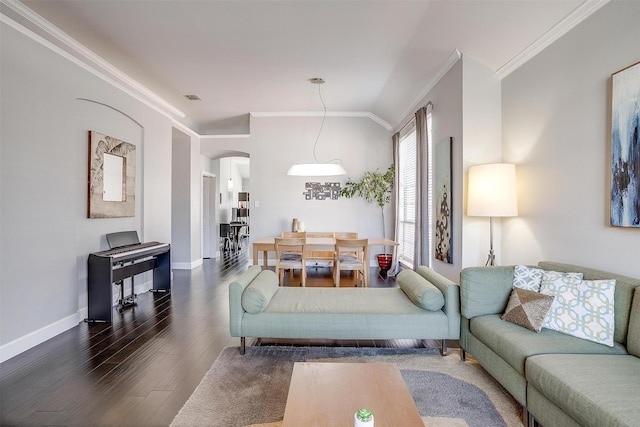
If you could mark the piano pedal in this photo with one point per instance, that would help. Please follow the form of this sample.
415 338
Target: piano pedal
127 302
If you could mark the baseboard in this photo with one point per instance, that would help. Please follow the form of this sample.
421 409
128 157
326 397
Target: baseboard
34 338
186 265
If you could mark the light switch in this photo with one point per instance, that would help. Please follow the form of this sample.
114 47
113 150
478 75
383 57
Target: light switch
256 204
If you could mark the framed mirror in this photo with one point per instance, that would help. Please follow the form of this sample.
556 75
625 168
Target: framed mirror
112 172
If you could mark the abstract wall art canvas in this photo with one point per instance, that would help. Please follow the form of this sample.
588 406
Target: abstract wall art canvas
625 147
443 207
112 174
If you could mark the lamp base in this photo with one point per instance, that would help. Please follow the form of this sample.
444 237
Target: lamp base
491 260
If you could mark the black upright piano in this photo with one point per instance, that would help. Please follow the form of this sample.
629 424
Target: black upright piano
125 258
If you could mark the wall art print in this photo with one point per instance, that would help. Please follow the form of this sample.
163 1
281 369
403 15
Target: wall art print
443 207
112 173
318 191
625 147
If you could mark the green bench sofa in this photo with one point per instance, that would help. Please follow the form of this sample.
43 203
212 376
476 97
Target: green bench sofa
560 380
425 306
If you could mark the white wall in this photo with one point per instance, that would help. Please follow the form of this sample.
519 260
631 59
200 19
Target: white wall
482 144
46 236
555 128
361 144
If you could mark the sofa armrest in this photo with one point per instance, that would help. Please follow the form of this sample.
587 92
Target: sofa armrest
451 292
236 288
485 290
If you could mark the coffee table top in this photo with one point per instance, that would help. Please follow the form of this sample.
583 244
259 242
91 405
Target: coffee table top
328 394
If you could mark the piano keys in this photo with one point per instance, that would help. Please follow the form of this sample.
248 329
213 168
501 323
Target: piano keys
126 258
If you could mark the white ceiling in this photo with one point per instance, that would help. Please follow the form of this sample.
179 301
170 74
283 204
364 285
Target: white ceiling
257 56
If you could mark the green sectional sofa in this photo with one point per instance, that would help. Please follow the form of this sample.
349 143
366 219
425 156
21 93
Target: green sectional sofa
425 306
559 379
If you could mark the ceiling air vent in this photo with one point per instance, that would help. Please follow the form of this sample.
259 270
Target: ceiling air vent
193 97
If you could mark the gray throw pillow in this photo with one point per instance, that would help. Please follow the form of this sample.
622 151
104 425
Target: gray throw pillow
258 294
527 308
420 291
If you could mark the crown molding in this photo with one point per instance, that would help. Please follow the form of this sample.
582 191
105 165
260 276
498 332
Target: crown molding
444 69
64 45
365 114
581 13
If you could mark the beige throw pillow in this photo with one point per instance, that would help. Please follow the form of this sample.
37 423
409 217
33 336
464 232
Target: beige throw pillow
527 309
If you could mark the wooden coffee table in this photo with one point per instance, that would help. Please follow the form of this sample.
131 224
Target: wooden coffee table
328 394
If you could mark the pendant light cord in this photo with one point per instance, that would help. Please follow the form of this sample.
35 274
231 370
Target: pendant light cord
324 116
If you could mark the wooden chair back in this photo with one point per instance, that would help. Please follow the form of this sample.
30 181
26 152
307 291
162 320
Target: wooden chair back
290 254
352 254
293 234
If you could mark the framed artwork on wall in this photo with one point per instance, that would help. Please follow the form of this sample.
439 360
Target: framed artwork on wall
625 147
112 177
443 206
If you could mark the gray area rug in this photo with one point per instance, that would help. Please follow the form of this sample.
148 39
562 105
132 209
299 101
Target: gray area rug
252 389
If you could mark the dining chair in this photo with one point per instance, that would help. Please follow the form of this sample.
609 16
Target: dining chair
353 255
293 234
320 256
290 254
345 235
225 236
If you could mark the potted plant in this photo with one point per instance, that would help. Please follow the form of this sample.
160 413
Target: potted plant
375 186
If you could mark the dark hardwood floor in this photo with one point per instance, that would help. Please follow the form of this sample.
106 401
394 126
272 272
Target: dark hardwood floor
140 369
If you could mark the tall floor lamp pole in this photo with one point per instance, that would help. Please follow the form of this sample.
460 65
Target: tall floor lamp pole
492 193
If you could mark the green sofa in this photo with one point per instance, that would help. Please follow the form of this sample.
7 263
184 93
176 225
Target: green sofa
559 380
425 306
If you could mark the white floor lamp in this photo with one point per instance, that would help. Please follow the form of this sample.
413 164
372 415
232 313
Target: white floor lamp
492 193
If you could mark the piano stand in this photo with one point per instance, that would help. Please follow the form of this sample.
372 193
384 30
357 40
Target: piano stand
113 266
129 300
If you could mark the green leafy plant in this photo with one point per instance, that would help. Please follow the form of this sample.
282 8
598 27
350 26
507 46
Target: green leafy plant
375 187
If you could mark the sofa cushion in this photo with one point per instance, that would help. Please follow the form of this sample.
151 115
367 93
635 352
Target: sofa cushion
527 308
591 395
420 291
528 278
514 343
582 308
633 339
258 294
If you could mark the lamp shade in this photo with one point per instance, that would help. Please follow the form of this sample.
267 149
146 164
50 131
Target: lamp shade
316 169
492 190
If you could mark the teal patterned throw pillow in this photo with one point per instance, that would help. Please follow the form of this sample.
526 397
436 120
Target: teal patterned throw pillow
528 278
581 308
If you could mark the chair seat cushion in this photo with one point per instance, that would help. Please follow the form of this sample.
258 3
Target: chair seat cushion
350 259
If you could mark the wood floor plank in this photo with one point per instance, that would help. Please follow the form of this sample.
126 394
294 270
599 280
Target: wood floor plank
141 368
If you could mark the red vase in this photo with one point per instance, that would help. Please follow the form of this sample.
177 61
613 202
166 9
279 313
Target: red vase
384 262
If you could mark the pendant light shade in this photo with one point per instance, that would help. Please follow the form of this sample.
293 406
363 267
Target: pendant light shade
318 168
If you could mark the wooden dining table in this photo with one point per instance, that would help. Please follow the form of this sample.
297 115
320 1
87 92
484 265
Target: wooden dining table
267 244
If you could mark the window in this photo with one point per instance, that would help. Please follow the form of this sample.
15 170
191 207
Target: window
407 196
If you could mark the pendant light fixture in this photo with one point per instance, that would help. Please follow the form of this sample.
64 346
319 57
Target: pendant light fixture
230 182
330 168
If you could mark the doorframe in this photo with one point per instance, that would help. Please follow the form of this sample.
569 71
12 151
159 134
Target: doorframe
211 248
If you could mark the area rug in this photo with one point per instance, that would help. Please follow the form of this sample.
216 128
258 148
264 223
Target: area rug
251 390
